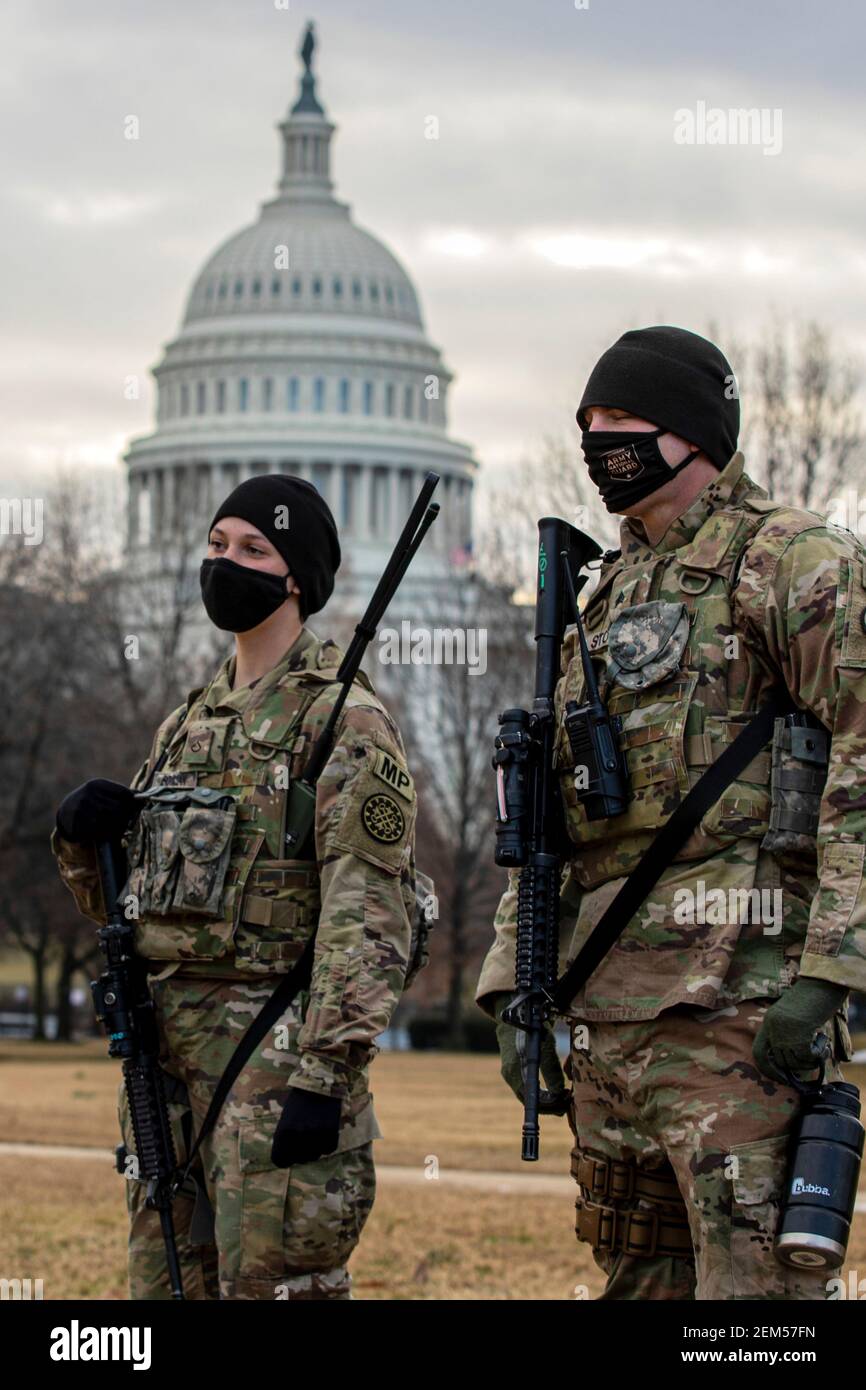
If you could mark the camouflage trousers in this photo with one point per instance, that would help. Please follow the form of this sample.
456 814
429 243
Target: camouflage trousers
246 1229
683 1090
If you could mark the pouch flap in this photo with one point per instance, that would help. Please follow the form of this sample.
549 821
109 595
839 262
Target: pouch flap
165 828
646 642
204 833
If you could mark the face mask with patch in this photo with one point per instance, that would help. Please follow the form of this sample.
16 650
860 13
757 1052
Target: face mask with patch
627 465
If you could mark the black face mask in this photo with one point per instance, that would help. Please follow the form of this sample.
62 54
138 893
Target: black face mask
238 598
627 465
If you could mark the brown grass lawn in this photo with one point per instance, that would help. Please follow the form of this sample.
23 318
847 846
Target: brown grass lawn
63 1220
65 1223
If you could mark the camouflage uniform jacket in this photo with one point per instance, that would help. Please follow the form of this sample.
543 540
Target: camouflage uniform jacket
358 894
740 597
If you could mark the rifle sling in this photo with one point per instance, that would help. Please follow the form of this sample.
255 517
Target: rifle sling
672 836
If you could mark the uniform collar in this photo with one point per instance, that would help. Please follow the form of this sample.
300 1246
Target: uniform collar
303 655
717 494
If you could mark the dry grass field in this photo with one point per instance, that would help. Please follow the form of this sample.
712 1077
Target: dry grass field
63 1219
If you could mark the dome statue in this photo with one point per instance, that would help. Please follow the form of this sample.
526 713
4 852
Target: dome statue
302 350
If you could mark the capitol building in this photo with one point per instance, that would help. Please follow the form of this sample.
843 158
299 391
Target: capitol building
303 351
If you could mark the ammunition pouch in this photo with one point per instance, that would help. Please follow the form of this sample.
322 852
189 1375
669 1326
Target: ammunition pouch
659 1227
279 913
178 851
800 759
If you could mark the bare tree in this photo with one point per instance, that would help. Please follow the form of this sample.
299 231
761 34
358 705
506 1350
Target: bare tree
552 482
451 709
73 705
802 423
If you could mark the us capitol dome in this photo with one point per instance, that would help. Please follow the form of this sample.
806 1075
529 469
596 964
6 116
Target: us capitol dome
303 351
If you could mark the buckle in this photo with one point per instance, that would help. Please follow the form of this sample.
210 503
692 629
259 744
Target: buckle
605 1177
623 1177
595 1224
645 1221
600 1176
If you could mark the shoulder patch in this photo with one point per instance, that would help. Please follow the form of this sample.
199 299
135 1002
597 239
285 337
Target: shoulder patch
394 773
382 818
376 817
851 616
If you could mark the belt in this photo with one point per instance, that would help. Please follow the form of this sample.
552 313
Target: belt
635 1230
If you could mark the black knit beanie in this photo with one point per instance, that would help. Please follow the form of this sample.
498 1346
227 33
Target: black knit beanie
672 378
308 542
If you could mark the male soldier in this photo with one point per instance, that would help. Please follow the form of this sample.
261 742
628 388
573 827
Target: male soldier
223 913
682 1105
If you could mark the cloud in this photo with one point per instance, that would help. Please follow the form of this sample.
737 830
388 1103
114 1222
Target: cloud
88 209
554 211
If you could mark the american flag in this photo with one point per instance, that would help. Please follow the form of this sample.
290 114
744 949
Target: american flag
461 555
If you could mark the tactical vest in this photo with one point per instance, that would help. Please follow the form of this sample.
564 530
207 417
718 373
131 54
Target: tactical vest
206 868
683 679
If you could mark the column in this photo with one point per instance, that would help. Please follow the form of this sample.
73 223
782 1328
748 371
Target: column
142 509
132 527
363 529
156 505
168 500
447 519
397 518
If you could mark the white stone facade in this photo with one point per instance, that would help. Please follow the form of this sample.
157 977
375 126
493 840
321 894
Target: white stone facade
303 351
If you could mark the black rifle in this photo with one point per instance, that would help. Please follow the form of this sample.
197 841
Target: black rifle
125 1009
530 827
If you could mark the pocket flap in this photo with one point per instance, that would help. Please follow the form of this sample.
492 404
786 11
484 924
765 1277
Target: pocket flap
204 833
255 1138
648 639
760 1170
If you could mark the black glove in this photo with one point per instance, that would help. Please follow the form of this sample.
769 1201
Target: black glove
308 1127
97 810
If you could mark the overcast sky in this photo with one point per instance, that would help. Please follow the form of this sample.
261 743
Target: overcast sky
555 210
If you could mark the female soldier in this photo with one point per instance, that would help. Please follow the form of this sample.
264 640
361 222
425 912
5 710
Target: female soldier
283 1184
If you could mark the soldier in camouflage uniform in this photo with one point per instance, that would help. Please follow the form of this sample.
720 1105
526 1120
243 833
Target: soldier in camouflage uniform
285 1180
747 946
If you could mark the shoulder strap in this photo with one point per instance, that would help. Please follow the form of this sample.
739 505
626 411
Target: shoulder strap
673 834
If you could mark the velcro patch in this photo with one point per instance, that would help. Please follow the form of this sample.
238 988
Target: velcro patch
394 773
175 779
382 818
851 598
198 744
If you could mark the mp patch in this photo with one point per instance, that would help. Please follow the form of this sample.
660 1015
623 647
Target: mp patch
394 774
382 818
